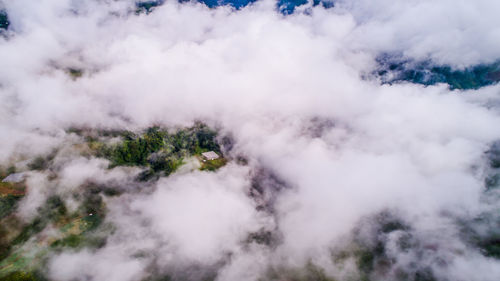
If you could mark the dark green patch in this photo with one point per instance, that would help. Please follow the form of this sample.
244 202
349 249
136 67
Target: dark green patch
388 222
424 275
135 150
75 73
406 242
392 225
72 241
309 272
262 237
8 205
77 230
41 163
213 165
94 211
158 278
490 246
365 259
147 6
90 134
393 70
157 150
36 226
11 170
482 233
494 155
492 182
4 20
369 251
23 276
53 209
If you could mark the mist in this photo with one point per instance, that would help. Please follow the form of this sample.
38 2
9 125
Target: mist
330 175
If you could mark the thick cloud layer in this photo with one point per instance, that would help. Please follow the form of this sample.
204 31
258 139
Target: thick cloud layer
289 89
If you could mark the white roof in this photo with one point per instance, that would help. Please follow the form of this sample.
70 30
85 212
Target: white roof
210 155
16 177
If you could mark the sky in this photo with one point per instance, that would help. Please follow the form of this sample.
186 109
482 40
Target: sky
331 146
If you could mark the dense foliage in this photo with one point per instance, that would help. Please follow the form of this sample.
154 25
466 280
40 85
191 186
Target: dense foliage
4 20
159 150
23 276
393 70
76 230
147 6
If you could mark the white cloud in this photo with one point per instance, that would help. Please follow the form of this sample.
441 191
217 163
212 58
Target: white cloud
262 77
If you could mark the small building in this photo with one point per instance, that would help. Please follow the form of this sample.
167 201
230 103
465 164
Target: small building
210 155
15 178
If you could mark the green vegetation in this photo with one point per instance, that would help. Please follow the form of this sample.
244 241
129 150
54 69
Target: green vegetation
71 241
7 205
75 73
41 162
490 246
492 182
4 172
10 194
4 20
79 232
483 233
23 260
135 150
158 278
79 241
493 155
94 210
29 230
368 257
371 255
212 165
93 135
262 237
147 6
23 276
395 70
53 210
368 250
26 249
156 149
10 170
310 272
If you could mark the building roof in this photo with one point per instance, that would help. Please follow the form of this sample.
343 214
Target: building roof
210 155
16 177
